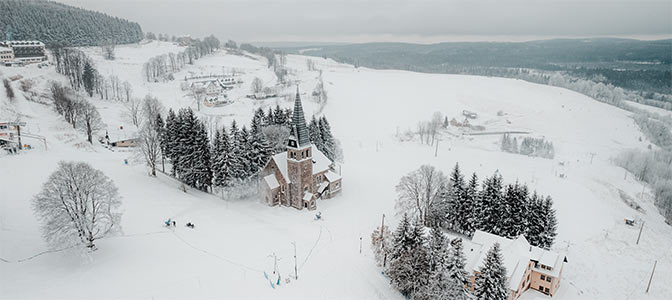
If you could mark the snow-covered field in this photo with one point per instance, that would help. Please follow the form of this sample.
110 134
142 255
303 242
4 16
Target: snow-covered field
234 240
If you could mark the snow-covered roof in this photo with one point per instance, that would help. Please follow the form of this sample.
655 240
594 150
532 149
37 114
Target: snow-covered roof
320 161
281 161
331 176
307 196
516 255
271 181
322 186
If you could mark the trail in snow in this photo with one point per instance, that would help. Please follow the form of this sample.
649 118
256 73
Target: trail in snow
215 255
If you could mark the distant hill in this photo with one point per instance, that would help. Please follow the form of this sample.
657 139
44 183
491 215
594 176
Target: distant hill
632 64
52 22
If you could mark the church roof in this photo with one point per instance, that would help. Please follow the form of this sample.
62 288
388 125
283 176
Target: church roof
320 163
299 128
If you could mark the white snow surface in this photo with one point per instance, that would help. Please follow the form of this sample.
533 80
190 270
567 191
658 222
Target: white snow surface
231 246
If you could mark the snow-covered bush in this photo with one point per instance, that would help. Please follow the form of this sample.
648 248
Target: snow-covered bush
77 205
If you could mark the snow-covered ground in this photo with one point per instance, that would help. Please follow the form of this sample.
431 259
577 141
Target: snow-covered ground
227 253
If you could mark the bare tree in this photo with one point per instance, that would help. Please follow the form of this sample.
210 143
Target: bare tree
128 90
76 206
277 136
419 191
257 85
108 51
150 136
133 111
90 120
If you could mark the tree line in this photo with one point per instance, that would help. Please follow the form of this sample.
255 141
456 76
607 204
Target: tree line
82 74
466 206
162 67
530 146
51 22
431 266
80 113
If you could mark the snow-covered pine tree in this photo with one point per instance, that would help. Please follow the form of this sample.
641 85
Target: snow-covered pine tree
216 163
505 143
514 210
419 259
535 220
455 198
471 203
260 153
237 167
514 145
270 117
550 224
314 133
170 141
438 249
490 204
328 143
278 116
491 282
201 169
257 122
89 78
400 268
457 276
187 146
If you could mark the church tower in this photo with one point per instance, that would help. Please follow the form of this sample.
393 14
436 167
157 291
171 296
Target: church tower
300 159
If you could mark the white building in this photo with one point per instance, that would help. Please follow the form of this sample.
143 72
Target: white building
24 51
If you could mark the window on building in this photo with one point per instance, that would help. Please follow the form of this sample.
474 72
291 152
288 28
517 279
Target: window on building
548 278
541 288
546 290
543 277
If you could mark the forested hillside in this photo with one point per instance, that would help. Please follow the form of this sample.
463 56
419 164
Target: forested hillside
52 22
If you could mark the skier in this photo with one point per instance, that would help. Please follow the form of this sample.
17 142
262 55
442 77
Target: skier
174 224
318 216
168 222
190 225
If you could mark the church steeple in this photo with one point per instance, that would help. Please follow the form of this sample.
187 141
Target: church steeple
299 128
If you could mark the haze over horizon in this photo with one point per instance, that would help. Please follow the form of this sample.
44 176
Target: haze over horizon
431 21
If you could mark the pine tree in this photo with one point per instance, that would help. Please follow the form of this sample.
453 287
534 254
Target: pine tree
257 122
328 142
455 198
438 248
491 281
260 153
278 116
512 216
187 147
89 78
314 133
171 140
471 204
490 204
201 169
550 224
535 220
456 274
270 117
400 268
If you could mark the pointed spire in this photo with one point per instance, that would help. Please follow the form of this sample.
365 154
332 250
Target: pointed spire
299 128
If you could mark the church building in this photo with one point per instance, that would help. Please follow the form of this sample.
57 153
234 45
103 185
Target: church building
300 175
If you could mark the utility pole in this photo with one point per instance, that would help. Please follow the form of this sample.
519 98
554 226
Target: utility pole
360 245
436 150
640 232
592 154
651 278
296 272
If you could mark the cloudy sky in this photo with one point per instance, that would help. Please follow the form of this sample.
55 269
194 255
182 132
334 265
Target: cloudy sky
423 21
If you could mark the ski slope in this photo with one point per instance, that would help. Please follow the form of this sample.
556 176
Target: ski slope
227 253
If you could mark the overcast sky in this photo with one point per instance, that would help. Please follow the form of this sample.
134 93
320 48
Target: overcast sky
423 21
